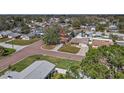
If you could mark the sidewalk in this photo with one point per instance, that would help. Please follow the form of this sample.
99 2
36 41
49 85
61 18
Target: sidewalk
16 47
83 51
57 47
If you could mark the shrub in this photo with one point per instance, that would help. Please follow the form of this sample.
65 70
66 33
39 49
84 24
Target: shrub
8 51
1 51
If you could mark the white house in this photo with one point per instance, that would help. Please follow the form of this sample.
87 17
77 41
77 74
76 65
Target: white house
25 37
113 28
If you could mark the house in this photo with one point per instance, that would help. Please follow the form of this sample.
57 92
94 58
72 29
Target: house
98 42
25 37
37 70
98 34
113 28
83 40
77 31
5 33
17 30
120 36
80 42
39 32
31 34
1 35
14 35
89 27
89 34
93 28
121 43
79 35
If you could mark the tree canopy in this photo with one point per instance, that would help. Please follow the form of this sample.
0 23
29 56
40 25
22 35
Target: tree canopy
51 35
104 62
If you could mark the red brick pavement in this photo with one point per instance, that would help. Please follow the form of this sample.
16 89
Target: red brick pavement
34 49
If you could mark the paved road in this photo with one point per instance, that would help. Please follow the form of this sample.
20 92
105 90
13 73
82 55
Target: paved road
34 49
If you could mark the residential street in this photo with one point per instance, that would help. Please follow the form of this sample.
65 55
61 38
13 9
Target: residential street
34 49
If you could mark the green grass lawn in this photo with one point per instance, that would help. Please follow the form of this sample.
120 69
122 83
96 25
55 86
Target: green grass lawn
4 39
23 42
69 48
60 63
48 46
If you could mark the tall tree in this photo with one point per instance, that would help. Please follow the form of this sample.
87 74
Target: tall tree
51 35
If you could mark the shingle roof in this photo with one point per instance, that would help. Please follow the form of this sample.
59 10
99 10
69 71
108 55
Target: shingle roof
4 33
37 70
83 40
14 34
102 42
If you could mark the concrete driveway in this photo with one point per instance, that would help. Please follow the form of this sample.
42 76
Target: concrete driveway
84 49
16 47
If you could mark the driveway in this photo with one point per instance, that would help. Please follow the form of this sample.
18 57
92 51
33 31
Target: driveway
16 47
57 47
84 49
35 49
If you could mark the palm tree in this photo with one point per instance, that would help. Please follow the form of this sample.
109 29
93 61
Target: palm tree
51 36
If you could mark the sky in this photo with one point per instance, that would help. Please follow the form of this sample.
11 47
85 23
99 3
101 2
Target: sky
61 6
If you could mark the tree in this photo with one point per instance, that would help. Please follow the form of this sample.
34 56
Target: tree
119 75
72 34
76 23
100 27
104 62
114 38
1 51
25 29
73 72
57 76
51 36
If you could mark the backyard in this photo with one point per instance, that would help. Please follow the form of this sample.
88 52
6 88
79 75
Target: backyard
23 42
69 48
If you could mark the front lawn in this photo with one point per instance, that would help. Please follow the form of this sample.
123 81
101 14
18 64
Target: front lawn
4 39
69 48
23 42
48 46
6 51
60 63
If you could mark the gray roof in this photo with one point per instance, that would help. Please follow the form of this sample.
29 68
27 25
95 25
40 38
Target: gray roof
5 33
11 75
89 32
83 40
98 33
37 70
121 43
14 34
31 34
